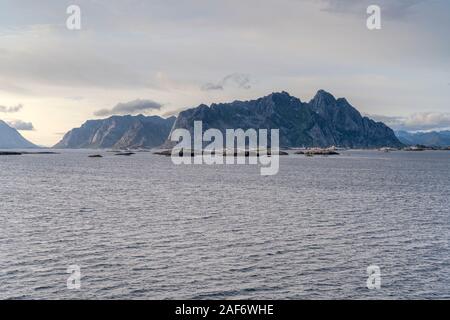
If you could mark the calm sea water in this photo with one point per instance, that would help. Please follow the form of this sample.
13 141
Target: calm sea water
140 227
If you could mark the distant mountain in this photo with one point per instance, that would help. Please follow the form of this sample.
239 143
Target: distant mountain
324 121
119 132
10 138
429 139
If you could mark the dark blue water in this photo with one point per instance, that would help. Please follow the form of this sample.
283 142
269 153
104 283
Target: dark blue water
140 227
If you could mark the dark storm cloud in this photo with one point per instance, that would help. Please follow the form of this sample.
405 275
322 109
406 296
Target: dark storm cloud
131 107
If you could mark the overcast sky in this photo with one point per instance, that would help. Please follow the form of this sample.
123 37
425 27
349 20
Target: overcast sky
160 56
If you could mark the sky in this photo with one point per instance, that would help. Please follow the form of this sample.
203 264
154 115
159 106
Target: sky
158 57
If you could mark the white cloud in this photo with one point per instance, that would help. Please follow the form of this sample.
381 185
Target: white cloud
417 121
427 121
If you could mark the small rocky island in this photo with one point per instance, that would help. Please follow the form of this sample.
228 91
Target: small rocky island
19 153
7 153
124 153
246 153
318 151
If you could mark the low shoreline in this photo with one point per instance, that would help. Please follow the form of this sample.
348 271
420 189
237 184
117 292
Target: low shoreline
19 153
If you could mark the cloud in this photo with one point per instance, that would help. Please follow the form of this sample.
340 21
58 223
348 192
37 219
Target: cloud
427 121
131 107
11 109
21 125
240 80
417 121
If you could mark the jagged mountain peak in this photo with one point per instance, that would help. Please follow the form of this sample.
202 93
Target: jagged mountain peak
282 97
323 96
324 121
280 94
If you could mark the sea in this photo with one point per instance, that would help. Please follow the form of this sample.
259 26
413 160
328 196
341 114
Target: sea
141 227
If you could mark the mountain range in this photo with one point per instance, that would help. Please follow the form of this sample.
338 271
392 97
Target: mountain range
10 138
119 132
324 121
429 139
321 122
